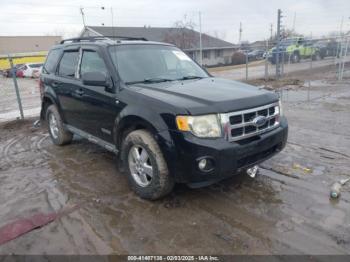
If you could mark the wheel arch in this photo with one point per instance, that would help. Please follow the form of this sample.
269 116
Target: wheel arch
129 123
45 103
49 99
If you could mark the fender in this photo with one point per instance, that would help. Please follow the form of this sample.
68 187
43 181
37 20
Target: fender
50 95
132 116
159 125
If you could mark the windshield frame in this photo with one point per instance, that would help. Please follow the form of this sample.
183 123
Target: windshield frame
114 63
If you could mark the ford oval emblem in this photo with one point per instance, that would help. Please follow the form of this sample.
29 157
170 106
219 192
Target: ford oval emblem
259 121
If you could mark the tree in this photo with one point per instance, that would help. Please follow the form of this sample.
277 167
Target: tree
182 34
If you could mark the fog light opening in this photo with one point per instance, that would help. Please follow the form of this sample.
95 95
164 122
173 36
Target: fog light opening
252 171
202 164
205 164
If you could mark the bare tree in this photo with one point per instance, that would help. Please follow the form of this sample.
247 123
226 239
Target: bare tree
182 34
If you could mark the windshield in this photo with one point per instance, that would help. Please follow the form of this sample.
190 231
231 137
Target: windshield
153 63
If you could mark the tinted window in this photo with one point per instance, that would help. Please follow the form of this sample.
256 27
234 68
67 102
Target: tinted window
92 62
68 64
51 60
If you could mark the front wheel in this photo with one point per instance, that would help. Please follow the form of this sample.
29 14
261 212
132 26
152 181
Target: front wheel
146 168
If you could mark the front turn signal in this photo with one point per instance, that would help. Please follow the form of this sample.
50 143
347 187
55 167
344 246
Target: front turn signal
182 123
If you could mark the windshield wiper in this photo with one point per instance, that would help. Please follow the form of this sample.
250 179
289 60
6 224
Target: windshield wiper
150 81
190 77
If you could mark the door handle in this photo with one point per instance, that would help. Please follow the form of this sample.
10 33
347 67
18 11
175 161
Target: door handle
79 92
56 83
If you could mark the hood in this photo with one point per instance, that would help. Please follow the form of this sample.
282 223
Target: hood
207 95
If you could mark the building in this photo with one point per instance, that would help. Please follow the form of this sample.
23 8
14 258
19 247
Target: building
25 49
27 44
215 51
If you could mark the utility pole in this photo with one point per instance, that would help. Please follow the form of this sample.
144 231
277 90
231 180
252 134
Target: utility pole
240 34
82 15
271 32
200 39
294 18
278 38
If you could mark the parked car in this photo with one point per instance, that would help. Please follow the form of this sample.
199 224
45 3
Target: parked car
36 72
167 119
30 69
19 73
294 49
327 48
255 55
8 72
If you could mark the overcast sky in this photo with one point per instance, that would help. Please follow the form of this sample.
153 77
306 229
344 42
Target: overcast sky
219 17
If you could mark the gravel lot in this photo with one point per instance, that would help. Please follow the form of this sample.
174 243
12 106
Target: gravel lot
30 96
285 210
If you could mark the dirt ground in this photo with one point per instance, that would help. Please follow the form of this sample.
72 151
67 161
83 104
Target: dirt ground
285 210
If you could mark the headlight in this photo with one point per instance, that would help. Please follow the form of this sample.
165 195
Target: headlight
280 107
201 126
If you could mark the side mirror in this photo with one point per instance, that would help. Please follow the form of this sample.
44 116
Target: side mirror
95 79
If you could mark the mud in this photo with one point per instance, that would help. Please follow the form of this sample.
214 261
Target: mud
285 210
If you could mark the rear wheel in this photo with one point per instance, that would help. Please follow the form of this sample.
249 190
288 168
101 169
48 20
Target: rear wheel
146 168
59 135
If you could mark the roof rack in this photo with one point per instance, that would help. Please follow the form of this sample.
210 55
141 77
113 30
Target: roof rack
96 38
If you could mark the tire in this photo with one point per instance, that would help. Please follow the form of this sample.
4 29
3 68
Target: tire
145 166
59 135
295 58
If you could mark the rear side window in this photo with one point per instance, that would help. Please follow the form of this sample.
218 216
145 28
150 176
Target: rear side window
51 61
92 62
68 64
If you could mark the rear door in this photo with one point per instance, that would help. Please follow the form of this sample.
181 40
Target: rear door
98 103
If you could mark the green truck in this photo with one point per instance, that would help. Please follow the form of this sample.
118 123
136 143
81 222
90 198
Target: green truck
293 49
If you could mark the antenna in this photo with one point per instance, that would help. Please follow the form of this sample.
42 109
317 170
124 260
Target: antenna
294 18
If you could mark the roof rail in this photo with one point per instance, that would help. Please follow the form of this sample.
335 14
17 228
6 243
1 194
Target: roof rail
126 37
96 38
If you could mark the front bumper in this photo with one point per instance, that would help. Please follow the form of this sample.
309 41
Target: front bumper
229 157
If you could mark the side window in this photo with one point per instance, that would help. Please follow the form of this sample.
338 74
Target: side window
51 61
92 62
68 64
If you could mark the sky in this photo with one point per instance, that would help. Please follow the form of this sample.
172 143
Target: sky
220 18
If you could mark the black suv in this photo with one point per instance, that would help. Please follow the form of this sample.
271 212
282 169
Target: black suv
168 120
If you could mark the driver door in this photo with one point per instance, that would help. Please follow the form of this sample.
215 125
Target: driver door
98 108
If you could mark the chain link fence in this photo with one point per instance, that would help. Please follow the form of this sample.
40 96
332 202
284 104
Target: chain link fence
19 85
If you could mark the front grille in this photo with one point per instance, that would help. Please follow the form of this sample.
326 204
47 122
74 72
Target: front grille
240 125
